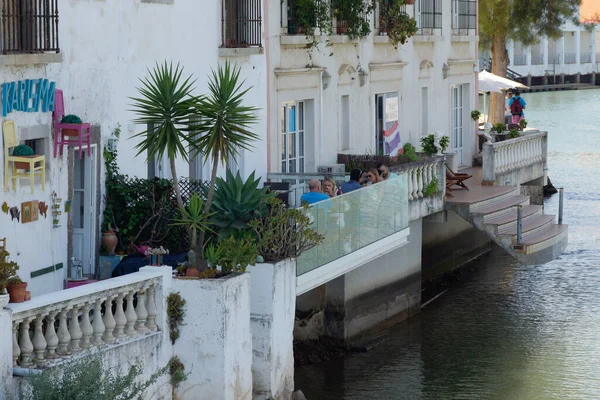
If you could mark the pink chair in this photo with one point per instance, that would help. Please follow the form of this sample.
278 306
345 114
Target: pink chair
84 131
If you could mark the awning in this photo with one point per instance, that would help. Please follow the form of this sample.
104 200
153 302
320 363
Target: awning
489 82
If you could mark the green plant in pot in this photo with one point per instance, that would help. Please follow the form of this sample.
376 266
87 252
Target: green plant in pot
7 270
16 289
73 120
523 123
399 25
499 127
475 114
22 150
195 220
513 133
428 144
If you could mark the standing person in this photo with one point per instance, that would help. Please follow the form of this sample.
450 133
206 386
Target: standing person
507 113
517 105
353 183
315 195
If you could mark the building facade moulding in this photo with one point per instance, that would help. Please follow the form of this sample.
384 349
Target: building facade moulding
390 71
298 78
461 66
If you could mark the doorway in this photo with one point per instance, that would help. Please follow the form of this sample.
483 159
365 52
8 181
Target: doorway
457 122
83 209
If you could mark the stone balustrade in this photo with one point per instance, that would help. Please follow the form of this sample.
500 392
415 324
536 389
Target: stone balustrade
60 324
515 161
420 175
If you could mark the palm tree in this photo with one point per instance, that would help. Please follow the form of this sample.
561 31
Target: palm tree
223 124
166 103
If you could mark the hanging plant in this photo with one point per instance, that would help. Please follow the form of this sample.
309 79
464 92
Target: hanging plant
475 114
307 16
355 14
400 26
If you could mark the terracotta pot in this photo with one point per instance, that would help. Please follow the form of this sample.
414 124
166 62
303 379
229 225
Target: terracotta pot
71 132
23 165
16 292
410 1
193 272
110 241
27 295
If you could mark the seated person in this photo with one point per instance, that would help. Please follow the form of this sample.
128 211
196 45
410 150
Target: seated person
353 183
314 195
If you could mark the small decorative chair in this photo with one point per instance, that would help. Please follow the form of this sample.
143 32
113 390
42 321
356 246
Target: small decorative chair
62 131
30 166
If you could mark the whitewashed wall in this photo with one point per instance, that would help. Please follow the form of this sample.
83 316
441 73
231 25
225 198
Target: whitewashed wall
414 65
106 46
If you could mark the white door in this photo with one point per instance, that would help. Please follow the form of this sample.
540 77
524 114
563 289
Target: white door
84 204
457 122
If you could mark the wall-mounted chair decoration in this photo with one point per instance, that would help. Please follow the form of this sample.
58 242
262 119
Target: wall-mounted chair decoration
22 166
69 134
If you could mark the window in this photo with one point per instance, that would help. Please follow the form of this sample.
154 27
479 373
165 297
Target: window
428 14
345 123
464 17
300 18
158 168
241 23
29 26
383 6
292 137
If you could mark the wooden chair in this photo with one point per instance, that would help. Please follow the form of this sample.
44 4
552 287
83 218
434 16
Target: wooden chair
456 179
29 166
62 132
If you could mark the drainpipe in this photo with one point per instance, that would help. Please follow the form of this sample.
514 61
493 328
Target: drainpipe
561 196
266 21
321 90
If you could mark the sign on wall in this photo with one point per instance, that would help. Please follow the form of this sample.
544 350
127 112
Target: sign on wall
28 96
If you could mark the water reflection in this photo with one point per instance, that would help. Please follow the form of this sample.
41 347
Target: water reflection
508 332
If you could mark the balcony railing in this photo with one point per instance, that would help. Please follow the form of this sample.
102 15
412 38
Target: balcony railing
585 58
381 23
503 158
355 220
554 58
241 23
428 14
51 327
464 21
520 59
299 18
537 59
29 26
570 58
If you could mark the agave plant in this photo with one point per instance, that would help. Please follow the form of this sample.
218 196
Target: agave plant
237 202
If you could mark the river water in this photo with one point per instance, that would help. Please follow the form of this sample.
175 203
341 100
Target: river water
506 331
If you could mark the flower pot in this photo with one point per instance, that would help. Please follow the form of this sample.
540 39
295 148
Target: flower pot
16 292
156 260
4 299
110 241
410 2
192 272
22 164
70 132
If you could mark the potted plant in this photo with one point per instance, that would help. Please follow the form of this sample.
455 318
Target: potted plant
7 270
513 133
523 123
16 289
23 150
400 25
73 120
428 144
156 255
475 114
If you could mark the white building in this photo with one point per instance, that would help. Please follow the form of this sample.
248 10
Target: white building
572 58
322 105
95 52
